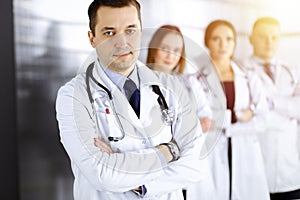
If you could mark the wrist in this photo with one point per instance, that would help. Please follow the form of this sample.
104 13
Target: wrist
173 150
164 149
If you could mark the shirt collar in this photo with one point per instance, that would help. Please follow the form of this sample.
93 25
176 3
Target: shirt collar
262 62
119 79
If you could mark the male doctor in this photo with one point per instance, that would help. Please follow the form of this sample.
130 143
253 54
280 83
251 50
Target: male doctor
148 135
280 82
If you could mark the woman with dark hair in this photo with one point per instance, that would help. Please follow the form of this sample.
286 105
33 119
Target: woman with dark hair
236 160
166 53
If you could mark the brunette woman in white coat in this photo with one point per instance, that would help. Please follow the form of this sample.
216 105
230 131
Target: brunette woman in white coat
236 159
167 54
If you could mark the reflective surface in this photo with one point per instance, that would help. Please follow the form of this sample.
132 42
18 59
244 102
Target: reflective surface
51 43
46 57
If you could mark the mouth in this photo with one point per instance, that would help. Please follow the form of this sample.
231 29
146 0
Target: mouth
167 62
123 54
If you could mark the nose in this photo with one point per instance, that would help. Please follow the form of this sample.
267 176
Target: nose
268 40
168 54
121 40
223 43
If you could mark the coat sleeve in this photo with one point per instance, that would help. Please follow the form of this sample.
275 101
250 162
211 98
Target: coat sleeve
188 135
288 105
117 172
198 97
257 98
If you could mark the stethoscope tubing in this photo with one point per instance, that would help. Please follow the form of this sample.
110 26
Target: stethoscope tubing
167 115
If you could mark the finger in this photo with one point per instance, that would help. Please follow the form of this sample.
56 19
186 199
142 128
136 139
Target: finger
99 143
102 148
102 145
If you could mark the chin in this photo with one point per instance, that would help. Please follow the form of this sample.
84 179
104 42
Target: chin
122 65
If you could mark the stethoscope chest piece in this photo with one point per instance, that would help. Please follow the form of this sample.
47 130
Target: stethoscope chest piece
167 117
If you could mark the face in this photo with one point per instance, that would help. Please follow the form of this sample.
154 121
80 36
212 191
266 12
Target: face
117 38
265 40
221 43
168 53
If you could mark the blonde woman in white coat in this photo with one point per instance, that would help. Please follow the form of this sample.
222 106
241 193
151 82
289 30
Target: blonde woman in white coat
236 159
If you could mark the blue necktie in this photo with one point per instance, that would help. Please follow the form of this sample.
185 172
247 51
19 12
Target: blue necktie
133 95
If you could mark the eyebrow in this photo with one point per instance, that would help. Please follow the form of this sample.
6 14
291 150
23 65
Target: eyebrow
132 26
112 28
107 29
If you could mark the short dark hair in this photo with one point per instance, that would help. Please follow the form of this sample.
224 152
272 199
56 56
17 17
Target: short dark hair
96 4
214 24
266 20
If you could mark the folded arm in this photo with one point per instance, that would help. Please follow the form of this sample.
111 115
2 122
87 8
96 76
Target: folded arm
118 172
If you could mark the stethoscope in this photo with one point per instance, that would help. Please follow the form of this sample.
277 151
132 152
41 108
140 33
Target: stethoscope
293 82
293 79
205 71
167 115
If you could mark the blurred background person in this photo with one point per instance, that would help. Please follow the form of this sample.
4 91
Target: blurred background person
280 82
236 160
166 53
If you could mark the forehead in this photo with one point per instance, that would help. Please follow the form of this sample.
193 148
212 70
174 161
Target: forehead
222 30
172 39
117 17
266 29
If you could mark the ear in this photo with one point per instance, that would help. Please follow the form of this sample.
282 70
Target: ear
91 38
251 39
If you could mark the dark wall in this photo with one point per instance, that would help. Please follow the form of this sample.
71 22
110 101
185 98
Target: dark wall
8 140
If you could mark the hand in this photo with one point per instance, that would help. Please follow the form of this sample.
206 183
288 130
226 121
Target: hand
170 150
206 124
245 115
138 188
101 144
166 152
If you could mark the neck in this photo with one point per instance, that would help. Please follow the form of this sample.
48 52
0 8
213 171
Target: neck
224 69
222 64
124 72
264 59
162 68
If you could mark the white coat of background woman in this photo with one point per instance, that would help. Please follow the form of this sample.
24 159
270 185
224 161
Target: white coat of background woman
236 160
167 54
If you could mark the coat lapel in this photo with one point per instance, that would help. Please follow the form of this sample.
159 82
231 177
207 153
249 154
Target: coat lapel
149 107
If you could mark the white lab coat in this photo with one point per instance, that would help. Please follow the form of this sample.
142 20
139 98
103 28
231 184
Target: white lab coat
279 142
113 176
248 175
203 189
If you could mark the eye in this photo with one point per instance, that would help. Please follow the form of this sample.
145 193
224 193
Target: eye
164 48
177 51
215 39
229 39
130 31
274 38
108 33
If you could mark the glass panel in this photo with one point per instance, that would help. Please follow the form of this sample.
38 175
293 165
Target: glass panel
50 45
